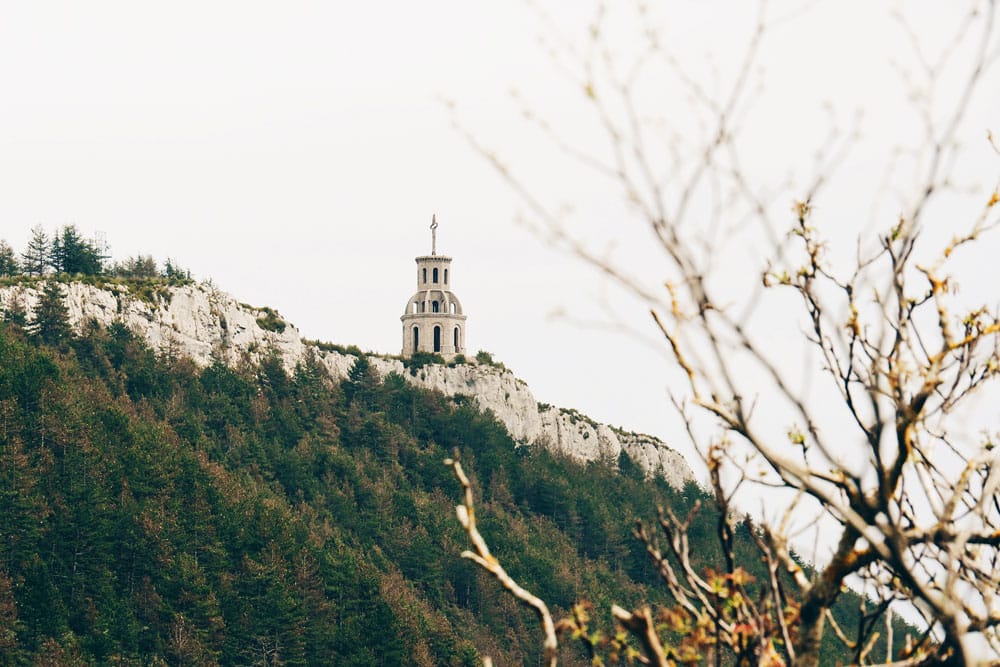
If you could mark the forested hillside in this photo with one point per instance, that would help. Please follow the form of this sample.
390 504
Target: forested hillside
152 512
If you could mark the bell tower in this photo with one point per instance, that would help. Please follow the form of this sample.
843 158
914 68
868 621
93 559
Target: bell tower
433 320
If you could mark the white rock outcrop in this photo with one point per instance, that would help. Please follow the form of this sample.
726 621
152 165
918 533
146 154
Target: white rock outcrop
197 321
529 422
206 324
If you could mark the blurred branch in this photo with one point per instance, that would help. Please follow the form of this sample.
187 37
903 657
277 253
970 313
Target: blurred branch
482 557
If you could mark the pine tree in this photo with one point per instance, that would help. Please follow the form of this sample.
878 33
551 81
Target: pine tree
175 272
50 322
360 379
35 258
14 312
140 266
8 261
57 253
71 253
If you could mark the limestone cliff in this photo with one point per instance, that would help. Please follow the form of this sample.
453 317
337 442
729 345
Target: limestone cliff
204 323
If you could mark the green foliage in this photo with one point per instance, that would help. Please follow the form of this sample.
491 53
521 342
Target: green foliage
173 271
35 258
353 350
70 253
50 321
14 311
271 320
145 268
140 266
361 381
418 360
628 468
8 260
575 416
152 291
157 513
485 358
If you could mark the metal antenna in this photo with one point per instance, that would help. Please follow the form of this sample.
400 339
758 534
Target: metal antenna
434 234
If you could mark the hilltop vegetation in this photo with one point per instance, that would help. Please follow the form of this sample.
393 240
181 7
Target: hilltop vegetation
67 252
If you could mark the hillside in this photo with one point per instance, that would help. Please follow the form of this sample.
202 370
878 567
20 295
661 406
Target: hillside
203 323
159 511
155 511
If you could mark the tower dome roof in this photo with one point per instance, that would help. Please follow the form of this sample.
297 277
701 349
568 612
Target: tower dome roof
422 302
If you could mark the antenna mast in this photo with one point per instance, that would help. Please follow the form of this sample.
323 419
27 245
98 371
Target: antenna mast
434 234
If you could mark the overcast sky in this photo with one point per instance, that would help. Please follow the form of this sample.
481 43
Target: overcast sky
294 152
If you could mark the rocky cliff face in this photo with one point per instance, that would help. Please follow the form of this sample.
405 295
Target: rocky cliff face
561 430
205 324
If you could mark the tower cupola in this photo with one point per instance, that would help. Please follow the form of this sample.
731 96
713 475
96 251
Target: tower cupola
433 320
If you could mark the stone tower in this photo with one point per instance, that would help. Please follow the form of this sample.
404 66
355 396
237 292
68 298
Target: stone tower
433 320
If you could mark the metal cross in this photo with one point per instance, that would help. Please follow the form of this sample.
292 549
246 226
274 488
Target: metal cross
434 233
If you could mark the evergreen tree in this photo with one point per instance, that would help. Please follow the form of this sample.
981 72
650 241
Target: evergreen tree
140 266
57 254
35 258
175 272
15 312
8 261
50 322
359 379
71 253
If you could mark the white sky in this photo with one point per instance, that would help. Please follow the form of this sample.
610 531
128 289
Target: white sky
294 152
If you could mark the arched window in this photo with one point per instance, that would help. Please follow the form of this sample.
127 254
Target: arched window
423 306
437 339
454 308
425 275
456 339
446 276
435 307
416 339
415 306
435 275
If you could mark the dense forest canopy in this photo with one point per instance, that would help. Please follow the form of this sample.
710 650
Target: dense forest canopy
154 512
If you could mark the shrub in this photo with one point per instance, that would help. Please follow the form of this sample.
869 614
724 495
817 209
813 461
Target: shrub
420 359
486 359
271 321
323 346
